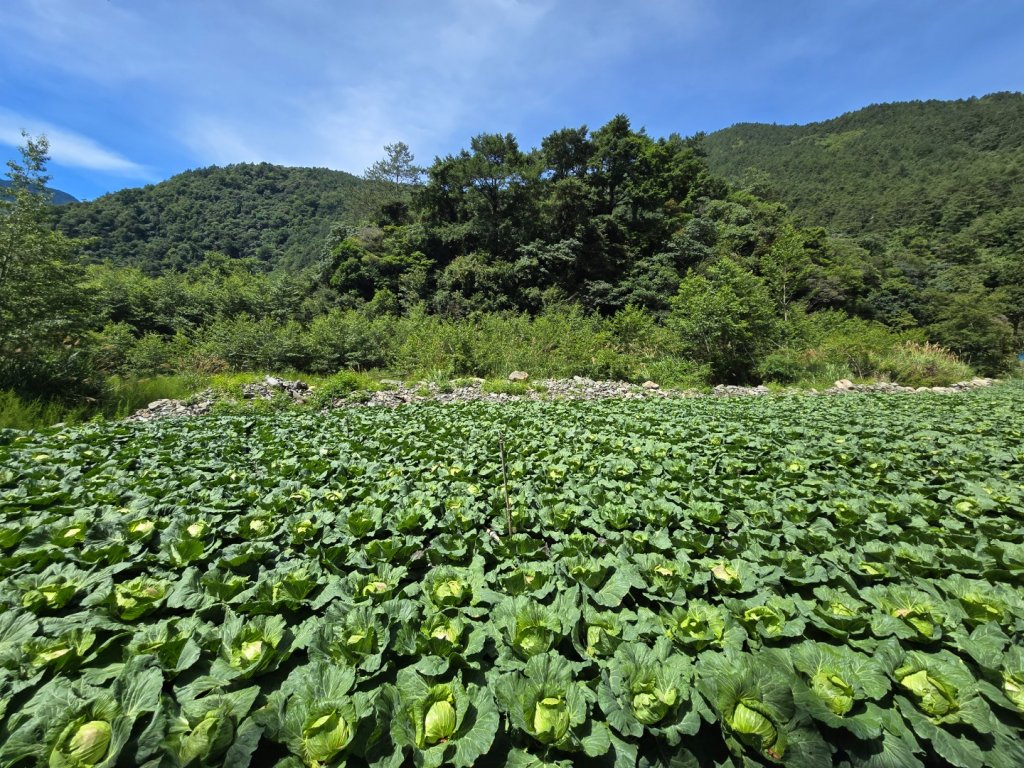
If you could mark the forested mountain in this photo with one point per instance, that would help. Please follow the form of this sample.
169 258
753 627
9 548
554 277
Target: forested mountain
604 252
947 166
280 216
57 196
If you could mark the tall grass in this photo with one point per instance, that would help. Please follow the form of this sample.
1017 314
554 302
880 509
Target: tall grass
19 413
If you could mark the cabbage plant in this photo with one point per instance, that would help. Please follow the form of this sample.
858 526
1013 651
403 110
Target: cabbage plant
534 579
839 614
528 628
138 597
752 695
701 625
79 726
644 688
941 701
285 587
441 640
447 586
840 687
440 723
175 643
664 578
67 651
768 617
317 714
545 702
251 646
52 589
909 613
600 632
357 636
204 730
603 580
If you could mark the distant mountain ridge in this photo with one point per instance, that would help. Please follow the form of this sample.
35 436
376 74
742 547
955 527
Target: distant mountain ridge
937 164
944 166
59 197
281 216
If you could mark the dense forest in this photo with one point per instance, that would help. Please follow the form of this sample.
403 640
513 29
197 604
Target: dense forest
280 216
945 166
605 252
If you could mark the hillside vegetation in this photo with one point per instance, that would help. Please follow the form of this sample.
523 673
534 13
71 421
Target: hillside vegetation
937 164
279 216
604 253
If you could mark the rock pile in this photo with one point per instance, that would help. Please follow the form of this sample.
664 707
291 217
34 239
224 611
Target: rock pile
577 388
163 409
731 390
845 386
271 387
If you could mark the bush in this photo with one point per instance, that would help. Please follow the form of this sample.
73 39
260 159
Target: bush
343 385
110 346
505 387
924 365
154 354
343 340
677 373
841 347
248 344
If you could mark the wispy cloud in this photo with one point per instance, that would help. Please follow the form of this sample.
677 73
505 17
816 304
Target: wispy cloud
313 84
69 148
173 84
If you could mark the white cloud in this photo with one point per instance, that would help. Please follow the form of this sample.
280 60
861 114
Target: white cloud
321 83
67 147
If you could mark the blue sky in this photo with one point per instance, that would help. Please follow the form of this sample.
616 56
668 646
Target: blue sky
133 91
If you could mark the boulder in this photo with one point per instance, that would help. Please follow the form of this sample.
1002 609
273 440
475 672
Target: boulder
518 376
650 385
843 384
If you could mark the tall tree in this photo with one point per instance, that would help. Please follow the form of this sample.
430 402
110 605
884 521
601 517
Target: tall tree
387 195
398 166
42 303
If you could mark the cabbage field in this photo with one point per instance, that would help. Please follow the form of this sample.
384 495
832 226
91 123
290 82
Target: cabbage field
805 581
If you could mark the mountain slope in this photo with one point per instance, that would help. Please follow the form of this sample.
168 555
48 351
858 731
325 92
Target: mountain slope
278 215
59 197
937 164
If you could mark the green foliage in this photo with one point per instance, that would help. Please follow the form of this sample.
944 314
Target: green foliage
343 385
278 216
605 253
43 305
932 163
347 339
839 347
505 387
724 318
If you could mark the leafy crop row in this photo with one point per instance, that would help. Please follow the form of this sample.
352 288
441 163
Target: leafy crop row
789 580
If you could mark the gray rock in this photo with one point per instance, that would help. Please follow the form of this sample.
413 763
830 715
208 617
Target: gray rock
518 376
271 386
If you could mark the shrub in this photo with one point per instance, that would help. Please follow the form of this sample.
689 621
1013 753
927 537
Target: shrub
924 365
505 387
343 340
249 344
154 354
343 385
